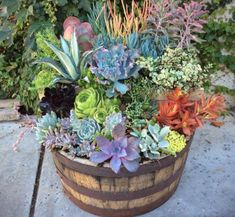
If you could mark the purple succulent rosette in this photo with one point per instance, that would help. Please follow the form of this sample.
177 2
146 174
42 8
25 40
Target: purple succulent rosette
122 151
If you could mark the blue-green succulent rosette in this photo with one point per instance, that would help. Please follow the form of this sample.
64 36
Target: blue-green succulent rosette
86 129
111 66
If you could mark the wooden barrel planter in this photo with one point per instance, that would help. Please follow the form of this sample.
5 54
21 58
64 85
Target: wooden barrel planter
100 191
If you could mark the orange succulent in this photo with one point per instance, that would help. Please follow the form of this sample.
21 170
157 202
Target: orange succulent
180 97
183 114
211 107
167 112
185 124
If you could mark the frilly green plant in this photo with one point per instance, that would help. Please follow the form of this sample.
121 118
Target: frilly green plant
86 129
91 103
178 68
42 49
113 65
140 99
43 79
152 140
176 141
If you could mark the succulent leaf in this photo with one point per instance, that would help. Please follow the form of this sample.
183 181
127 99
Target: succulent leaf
114 65
53 64
152 140
86 129
75 52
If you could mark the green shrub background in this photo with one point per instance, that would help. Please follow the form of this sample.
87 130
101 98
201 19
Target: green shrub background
24 18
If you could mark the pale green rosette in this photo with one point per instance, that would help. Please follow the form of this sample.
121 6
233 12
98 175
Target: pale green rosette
91 103
112 105
86 103
100 115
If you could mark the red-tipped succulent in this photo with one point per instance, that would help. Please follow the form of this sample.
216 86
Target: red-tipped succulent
84 32
183 114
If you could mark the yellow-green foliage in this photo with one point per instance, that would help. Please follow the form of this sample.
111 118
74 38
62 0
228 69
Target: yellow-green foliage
43 49
44 79
177 142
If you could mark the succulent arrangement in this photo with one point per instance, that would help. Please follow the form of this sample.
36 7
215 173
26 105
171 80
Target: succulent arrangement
124 88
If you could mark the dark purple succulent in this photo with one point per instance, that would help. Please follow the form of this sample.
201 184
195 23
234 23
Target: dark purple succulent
121 150
59 99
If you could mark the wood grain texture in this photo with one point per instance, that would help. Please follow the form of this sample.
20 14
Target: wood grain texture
138 192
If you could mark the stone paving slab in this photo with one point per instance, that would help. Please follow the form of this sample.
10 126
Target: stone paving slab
17 171
206 189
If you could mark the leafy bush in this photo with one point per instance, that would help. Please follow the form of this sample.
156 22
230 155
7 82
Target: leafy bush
176 68
19 23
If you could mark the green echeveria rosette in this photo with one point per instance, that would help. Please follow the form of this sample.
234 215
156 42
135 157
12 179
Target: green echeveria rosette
86 103
112 105
100 115
91 103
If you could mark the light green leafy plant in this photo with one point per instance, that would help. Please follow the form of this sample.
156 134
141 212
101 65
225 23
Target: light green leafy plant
138 100
42 49
43 79
176 68
176 141
152 140
92 103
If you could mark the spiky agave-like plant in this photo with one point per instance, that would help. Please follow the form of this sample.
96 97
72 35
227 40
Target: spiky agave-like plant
71 62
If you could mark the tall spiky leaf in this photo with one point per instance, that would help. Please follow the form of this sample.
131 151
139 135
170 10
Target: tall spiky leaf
74 49
66 61
53 64
64 45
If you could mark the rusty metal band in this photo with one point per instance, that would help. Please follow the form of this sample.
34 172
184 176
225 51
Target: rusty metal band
107 172
121 212
120 196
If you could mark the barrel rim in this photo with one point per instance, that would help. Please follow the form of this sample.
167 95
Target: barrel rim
95 170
